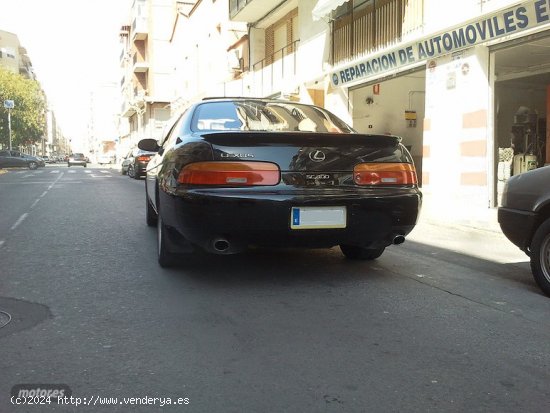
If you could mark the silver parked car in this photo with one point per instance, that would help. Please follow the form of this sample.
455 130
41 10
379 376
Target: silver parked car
77 159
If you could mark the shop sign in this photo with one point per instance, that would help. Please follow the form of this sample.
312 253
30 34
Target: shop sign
524 16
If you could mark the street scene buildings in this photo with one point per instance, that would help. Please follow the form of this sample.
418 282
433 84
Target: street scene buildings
263 257
451 84
467 90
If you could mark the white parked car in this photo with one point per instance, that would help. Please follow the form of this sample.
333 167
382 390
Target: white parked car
106 159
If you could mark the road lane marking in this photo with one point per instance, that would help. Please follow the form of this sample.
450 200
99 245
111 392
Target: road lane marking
2 242
19 221
34 203
43 194
72 172
55 171
30 183
87 172
54 182
104 172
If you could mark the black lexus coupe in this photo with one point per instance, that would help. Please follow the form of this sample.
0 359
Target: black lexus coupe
231 173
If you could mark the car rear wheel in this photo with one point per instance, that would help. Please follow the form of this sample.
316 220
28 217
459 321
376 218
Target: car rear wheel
540 256
165 257
33 165
353 252
131 171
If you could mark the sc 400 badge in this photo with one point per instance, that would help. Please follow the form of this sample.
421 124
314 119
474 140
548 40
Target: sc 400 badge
318 177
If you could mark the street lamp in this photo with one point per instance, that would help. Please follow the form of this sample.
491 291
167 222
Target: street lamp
9 105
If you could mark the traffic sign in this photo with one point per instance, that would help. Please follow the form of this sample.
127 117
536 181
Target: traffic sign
9 104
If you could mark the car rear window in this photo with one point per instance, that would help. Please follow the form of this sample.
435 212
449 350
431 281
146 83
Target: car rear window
265 116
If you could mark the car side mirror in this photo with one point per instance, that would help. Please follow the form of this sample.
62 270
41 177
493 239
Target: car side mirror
149 145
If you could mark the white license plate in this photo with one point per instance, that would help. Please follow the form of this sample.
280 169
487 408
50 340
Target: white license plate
318 217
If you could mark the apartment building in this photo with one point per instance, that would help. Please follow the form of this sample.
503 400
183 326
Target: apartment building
147 71
13 56
210 51
103 133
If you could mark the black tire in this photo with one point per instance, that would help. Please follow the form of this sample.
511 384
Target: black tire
33 165
68 165
122 171
353 252
165 258
150 215
131 171
540 256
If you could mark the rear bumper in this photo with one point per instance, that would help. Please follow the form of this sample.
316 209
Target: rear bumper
140 168
263 219
518 226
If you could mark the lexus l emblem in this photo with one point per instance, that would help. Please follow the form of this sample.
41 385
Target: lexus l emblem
317 156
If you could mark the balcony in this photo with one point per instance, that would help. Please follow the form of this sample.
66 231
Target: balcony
127 109
133 100
249 10
139 28
374 26
139 65
277 72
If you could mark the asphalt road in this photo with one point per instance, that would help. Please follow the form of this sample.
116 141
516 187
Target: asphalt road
449 321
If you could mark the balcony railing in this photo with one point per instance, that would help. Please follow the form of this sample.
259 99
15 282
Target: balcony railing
245 11
375 26
237 5
274 72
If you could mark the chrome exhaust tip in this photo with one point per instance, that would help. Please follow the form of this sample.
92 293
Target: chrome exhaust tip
398 239
221 245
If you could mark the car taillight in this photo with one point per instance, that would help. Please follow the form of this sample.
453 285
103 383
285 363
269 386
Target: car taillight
143 158
230 173
385 174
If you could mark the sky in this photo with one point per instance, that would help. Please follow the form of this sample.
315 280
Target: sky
73 46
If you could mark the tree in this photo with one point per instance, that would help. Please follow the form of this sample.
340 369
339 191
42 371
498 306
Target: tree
28 118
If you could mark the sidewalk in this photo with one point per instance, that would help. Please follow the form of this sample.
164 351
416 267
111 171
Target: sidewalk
464 212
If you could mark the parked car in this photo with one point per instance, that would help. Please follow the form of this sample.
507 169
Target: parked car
17 159
233 173
135 162
77 159
524 218
104 159
46 158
